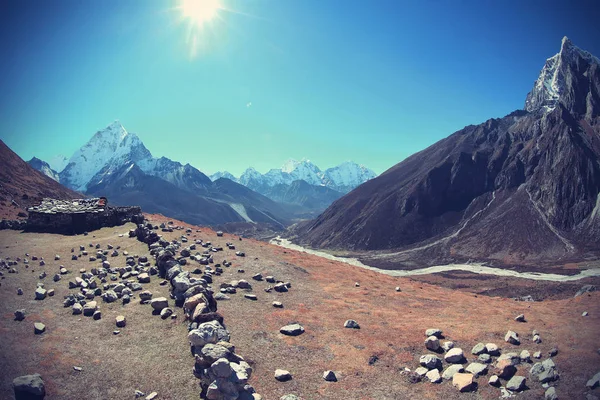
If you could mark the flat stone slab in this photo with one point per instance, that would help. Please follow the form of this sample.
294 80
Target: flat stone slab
292 330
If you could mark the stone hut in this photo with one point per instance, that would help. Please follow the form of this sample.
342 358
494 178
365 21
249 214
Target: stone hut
79 215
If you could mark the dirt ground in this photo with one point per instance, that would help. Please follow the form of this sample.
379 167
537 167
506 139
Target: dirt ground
151 354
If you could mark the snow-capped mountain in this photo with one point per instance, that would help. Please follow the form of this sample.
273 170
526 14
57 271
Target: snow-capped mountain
555 81
342 178
110 146
58 163
222 174
44 168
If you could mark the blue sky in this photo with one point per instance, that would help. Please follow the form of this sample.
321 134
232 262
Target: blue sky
329 80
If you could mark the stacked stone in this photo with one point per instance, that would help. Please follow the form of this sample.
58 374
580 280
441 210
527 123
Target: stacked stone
223 374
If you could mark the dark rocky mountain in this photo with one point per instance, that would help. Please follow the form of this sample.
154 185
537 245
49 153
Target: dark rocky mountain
522 187
44 168
22 186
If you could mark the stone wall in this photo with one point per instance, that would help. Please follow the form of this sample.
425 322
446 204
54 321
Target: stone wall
74 223
222 373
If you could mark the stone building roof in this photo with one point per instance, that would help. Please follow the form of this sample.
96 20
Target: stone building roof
54 206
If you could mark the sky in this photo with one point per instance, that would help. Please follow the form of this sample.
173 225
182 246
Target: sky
372 81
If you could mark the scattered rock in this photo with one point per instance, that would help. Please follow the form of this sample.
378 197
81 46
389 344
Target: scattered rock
478 349
516 383
550 394
250 296
430 361
166 313
434 332
477 369
352 324
277 304
97 315
90 308
454 356
282 375
494 380
329 376
121 321
492 349
462 381
434 376
292 330
452 370
432 343
152 396
78 369
29 387
553 351
39 328
20 315
512 338
159 303
594 381
520 318
40 293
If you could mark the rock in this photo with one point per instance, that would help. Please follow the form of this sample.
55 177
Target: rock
434 332
448 345
520 318
329 376
77 309
478 349
550 394
29 387
120 321
208 333
90 308
152 396
352 324
594 381
477 369
537 339
277 304
166 313
40 293
398 289
462 381
97 315
513 358
432 343
512 338
585 289
243 284
484 358
159 303
584 314
143 278
536 369
494 380
553 351
434 376
452 370
20 315
537 354
145 295
505 369
525 356
19 291
221 368
289 397
292 330
282 375
257 277
430 361
516 383
421 371
110 296
250 296
454 356
548 375
39 328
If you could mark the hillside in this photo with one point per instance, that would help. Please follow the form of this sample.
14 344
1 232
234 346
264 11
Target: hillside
369 362
21 186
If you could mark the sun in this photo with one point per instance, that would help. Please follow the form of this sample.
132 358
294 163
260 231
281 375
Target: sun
200 12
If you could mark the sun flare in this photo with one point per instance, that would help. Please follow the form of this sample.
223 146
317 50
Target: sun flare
200 11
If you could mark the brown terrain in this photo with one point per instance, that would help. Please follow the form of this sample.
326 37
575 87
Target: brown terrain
21 186
151 354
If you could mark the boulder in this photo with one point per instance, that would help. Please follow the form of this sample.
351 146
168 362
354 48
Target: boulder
434 376
494 380
292 330
432 343
159 303
512 338
19 315
352 324
40 293
430 361
477 369
143 278
29 387
462 381
90 308
516 383
478 349
454 356
433 332
282 375
120 321
329 376
451 370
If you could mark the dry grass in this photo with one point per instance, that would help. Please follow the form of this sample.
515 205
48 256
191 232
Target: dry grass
151 354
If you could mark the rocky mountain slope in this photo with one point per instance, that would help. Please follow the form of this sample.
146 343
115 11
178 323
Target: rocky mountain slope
115 163
21 186
44 168
522 187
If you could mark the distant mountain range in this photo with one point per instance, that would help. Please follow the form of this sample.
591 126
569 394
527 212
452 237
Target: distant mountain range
525 187
115 163
342 178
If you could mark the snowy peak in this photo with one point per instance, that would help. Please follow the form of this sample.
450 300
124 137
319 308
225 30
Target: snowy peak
111 145
347 176
58 163
44 168
222 174
570 78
